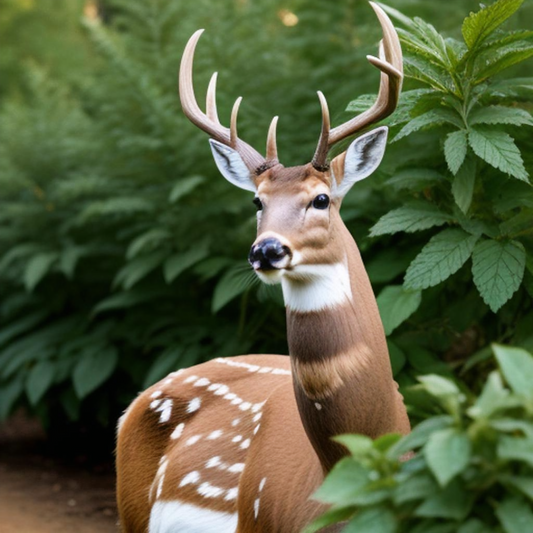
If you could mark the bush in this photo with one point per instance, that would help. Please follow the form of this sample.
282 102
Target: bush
473 468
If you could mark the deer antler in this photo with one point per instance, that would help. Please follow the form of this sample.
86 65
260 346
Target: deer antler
209 121
390 64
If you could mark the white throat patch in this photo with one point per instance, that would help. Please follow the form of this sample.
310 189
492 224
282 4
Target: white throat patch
309 288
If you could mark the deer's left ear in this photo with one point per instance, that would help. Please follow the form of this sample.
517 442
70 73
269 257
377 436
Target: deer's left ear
231 166
361 159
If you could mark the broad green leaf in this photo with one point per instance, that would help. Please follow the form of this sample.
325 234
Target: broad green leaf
39 380
438 386
423 70
415 179
522 483
444 255
519 224
173 358
431 119
357 445
409 218
463 184
397 357
233 283
478 26
26 323
497 114
516 449
148 242
451 502
124 300
183 187
455 147
493 397
10 392
396 305
514 88
333 516
498 149
68 259
416 487
372 520
94 367
498 269
37 268
136 269
388 265
447 453
178 263
502 58
515 515
517 367
473 526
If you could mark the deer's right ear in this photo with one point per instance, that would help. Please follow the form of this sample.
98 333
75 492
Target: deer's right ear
231 166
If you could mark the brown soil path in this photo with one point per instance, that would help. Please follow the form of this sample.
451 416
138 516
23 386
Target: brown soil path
41 494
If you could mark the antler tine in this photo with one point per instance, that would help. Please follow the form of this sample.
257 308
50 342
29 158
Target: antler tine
211 99
272 148
209 122
391 66
319 159
233 123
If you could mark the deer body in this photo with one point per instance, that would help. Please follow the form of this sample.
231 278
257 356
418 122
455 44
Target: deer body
240 444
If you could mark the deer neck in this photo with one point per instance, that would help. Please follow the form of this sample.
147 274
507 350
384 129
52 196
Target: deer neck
341 370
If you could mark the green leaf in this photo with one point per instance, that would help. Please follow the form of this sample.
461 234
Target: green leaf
463 184
478 26
69 259
39 380
455 147
416 487
414 179
37 268
430 119
522 483
444 255
184 187
178 263
173 358
26 323
124 300
496 114
333 516
374 520
95 366
517 368
148 242
10 392
473 526
396 305
447 453
493 397
138 268
515 515
358 445
498 269
498 149
438 386
234 282
502 58
409 218
452 502
397 357
516 449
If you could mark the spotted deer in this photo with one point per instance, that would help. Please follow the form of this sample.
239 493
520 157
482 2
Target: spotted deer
240 444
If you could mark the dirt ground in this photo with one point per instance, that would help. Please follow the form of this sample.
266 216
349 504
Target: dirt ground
42 493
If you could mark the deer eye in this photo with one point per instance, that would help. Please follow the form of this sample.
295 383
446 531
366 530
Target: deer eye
321 201
258 203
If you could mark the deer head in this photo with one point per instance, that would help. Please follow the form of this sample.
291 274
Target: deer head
299 225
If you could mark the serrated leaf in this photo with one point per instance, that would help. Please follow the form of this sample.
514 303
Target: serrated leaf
455 147
138 268
498 269
39 380
37 268
497 60
127 299
444 255
410 218
431 119
447 453
234 282
184 187
93 368
178 263
396 305
497 114
516 365
463 184
498 149
478 26
147 242
515 515
414 179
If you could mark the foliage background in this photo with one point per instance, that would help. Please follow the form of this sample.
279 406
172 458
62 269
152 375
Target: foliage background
123 253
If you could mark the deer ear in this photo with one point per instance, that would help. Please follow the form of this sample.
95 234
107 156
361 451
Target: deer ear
231 166
361 159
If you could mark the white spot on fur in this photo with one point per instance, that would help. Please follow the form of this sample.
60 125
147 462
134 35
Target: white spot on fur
264 370
168 381
190 478
159 478
237 438
214 434
165 409
257 417
156 394
194 405
176 434
262 484
257 406
193 440
232 494
173 516
236 401
245 444
318 406
256 508
214 386
237 467
230 396
245 406
155 404
223 389
235 422
253 368
190 379
210 491
309 288
214 461
202 382
256 429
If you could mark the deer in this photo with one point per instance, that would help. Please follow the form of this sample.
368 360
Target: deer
240 444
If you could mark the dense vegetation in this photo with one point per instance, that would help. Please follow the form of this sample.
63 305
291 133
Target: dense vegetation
123 253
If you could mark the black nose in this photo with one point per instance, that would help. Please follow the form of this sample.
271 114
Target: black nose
265 253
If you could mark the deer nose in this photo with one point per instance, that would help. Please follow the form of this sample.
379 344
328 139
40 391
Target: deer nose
269 254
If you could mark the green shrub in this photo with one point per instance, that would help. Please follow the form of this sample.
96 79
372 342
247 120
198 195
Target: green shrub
473 466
